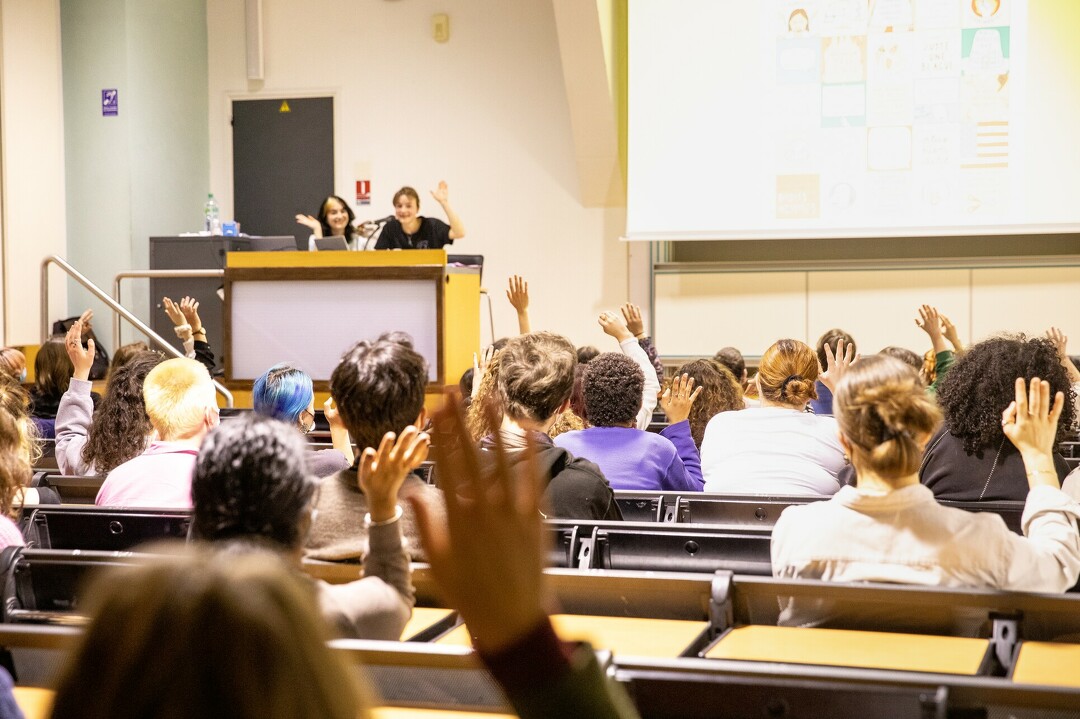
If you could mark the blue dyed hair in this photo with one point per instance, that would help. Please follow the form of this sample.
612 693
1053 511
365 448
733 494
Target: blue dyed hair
283 392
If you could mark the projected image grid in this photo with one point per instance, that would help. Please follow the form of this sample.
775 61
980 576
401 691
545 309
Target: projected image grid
893 108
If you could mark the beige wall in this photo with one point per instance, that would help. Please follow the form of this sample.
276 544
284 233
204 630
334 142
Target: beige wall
31 124
486 111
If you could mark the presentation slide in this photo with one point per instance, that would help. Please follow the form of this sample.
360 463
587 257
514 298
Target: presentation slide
852 118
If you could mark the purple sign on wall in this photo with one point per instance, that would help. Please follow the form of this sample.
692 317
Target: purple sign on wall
109 102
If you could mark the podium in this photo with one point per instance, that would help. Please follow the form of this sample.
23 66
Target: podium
307 308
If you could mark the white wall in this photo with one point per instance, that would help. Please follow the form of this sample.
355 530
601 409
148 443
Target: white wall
487 112
31 124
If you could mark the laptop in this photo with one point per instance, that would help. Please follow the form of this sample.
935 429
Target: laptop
337 242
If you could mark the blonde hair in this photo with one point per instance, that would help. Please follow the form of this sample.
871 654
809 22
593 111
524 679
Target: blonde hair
884 412
205 634
13 362
15 471
484 414
15 401
787 373
177 394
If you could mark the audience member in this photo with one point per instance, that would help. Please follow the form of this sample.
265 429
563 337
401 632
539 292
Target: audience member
970 458
1061 343
586 354
889 528
616 327
15 475
487 557
95 442
536 376
631 458
778 448
15 401
189 329
286 393
930 321
13 363
379 388
733 359
203 635
182 407
484 411
821 404
720 392
251 487
52 373
636 325
123 355
906 356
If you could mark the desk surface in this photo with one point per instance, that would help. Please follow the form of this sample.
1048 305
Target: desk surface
629 636
847 648
422 618
35 703
1048 664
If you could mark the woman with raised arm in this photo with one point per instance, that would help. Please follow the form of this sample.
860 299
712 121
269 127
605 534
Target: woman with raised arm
335 219
889 527
408 230
779 448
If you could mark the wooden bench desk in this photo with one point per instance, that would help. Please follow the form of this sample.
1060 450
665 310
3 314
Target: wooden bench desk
658 638
406 713
1048 664
422 618
848 648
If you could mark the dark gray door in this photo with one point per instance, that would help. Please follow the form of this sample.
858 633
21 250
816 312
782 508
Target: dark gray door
283 162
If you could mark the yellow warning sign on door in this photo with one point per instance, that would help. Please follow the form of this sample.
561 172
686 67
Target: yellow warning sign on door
284 106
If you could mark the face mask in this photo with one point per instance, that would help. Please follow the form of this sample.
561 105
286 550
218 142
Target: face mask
22 375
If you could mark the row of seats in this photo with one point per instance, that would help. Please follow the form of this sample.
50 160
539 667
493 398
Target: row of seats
684 644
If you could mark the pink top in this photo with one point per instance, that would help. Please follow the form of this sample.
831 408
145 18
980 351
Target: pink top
10 536
160 477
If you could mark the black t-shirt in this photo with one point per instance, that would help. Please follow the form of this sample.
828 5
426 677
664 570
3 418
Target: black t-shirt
432 235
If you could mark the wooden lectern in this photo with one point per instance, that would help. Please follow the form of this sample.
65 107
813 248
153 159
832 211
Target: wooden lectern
307 308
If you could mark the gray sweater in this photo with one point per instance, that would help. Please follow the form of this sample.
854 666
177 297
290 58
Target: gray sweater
73 419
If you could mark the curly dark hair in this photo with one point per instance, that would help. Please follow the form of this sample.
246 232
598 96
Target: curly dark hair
121 426
379 387
982 383
613 384
721 392
251 481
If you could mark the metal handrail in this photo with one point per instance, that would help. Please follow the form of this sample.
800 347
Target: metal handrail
111 304
153 274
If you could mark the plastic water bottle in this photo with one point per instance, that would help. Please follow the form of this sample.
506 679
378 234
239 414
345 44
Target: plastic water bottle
212 216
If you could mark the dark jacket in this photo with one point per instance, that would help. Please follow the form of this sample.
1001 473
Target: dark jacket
989 474
576 488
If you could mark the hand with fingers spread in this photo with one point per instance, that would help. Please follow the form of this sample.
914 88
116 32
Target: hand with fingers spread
1061 344
632 315
836 365
383 471
189 306
180 323
929 321
678 398
312 223
1030 422
488 557
615 326
81 359
518 294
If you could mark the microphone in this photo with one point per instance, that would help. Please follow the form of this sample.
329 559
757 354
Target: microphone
380 221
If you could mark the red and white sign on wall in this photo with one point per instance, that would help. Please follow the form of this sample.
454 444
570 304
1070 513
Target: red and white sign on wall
363 192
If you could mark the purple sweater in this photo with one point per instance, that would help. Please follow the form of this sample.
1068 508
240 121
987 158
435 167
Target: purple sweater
637 460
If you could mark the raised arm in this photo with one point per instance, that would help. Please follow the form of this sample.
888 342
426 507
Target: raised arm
339 435
632 314
501 594
76 410
518 294
1048 558
312 223
442 196
615 326
676 401
1061 344
200 347
929 321
949 329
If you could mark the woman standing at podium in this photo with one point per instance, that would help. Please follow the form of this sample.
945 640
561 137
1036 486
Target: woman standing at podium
408 230
335 220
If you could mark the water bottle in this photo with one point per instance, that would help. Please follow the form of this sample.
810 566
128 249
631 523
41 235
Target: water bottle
212 216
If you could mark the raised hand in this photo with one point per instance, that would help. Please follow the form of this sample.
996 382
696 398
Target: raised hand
615 326
189 306
172 309
929 321
632 315
339 433
836 365
441 193
383 471
81 359
518 294
678 398
1030 422
480 368
312 223
949 330
87 318
499 593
